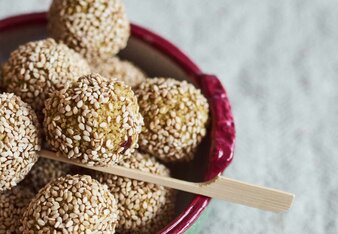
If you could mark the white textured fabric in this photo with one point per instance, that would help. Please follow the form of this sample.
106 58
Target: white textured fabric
279 63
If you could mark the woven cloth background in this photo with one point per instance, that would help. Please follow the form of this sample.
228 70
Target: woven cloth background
279 63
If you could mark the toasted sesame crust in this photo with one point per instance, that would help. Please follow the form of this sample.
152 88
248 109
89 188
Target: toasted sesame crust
122 69
71 204
38 68
12 206
97 29
19 140
95 121
143 207
175 115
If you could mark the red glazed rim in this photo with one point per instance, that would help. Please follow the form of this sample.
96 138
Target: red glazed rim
222 130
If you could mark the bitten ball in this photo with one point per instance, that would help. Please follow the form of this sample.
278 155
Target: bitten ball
19 140
122 69
37 68
71 204
143 207
12 206
97 29
95 121
175 118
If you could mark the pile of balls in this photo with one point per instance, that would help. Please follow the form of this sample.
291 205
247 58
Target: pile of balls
72 94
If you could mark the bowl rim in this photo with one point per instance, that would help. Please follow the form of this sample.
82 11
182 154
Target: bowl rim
222 122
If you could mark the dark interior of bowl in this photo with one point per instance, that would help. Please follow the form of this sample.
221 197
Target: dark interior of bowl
154 63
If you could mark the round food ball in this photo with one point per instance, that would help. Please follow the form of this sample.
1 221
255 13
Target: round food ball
44 171
95 121
19 140
122 69
71 204
37 68
97 29
143 207
12 206
175 118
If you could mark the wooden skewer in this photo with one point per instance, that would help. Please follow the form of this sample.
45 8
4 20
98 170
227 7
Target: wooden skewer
220 187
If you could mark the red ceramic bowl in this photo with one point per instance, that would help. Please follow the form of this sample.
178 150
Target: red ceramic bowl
158 57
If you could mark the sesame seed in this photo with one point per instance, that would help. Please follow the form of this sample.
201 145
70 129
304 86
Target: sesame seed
40 222
86 138
79 104
81 126
77 137
103 125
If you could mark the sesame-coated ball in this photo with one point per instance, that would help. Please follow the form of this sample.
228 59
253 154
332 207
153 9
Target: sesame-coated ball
71 204
98 29
19 140
175 117
122 69
95 121
12 206
44 171
37 68
143 207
